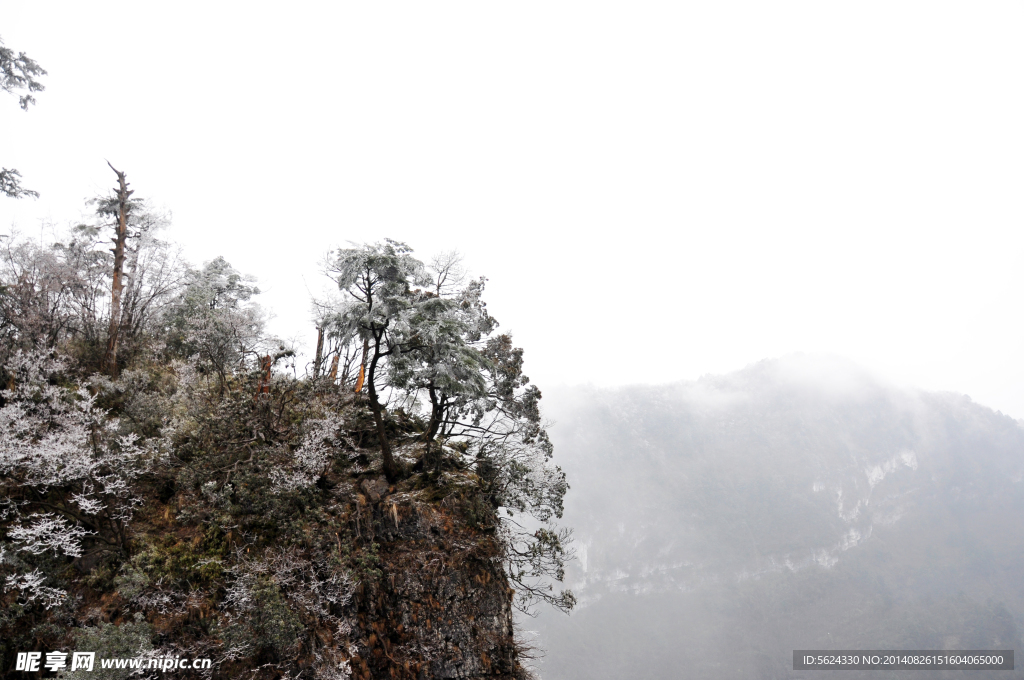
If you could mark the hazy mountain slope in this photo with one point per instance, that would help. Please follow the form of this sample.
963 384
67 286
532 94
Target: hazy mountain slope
795 504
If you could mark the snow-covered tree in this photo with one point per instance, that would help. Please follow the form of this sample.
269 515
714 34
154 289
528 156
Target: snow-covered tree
50 295
378 281
67 476
277 602
214 320
18 73
439 346
58 294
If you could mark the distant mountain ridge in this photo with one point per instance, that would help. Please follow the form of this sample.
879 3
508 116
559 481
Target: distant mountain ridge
801 494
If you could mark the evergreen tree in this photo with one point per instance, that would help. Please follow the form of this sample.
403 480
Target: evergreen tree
436 343
18 75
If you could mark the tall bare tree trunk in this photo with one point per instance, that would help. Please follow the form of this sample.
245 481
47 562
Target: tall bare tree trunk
266 364
121 235
362 366
319 352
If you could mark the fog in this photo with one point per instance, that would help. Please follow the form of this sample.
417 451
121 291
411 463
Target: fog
655 190
758 255
723 523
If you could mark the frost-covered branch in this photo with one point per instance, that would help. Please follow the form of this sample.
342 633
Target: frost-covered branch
65 471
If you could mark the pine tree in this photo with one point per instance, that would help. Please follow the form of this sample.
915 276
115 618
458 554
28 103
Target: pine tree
18 74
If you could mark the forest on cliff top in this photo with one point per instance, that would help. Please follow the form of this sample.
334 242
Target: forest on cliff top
174 484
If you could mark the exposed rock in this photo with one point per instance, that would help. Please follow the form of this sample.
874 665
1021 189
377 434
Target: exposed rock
442 605
374 489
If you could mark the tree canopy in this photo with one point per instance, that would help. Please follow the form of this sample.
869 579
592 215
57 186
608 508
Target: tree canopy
244 508
431 344
19 76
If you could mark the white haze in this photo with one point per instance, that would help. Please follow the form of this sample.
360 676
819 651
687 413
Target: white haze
794 504
655 190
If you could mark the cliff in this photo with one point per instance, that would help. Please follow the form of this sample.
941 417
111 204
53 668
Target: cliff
441 607
262 536
173 490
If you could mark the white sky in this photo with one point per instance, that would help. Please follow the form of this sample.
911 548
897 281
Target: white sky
655 190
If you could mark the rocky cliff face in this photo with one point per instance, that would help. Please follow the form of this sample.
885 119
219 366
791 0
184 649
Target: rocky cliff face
441 607
262 535
197 499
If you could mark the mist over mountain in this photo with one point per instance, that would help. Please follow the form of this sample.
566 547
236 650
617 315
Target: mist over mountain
796 504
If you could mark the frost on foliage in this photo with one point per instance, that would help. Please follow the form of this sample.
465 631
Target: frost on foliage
441 356
311 587
149 403
528 481
312 457
280 601
49 532
529 491
65 472
90 506
213 320
32 588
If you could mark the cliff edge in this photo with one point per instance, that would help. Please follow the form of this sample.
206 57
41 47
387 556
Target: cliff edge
253 529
